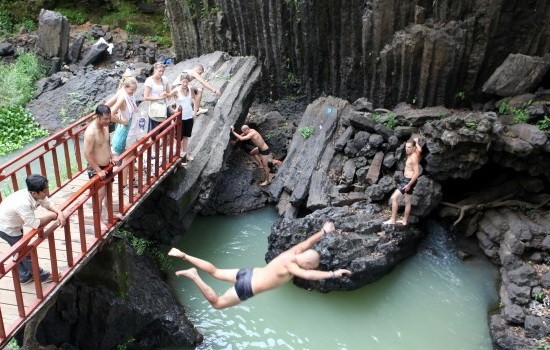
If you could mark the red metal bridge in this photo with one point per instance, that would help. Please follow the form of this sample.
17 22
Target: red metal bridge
63 250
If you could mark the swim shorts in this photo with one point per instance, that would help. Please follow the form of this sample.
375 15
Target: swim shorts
243 286
265 152
92 173
404 183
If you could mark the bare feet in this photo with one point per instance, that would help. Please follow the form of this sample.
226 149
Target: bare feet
189 273
389 222
403 222
175 252
265 183
118 216
104 226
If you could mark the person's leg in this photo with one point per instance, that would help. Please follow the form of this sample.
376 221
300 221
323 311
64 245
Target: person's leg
229 275
407 209
394 206
197 98
265 168
255 153
227 299
102 196
25 266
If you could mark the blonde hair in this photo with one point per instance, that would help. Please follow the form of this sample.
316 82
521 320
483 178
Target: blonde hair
159 64
126 80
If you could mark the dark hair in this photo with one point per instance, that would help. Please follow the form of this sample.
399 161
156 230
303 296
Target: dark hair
102 110
36 183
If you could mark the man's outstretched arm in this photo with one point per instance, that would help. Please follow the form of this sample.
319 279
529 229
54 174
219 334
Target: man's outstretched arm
310 241
315 275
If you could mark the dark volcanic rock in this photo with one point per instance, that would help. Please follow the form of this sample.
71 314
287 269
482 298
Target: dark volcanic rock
370 250
118 295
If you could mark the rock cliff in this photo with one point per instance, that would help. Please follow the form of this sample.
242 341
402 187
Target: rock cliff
423 52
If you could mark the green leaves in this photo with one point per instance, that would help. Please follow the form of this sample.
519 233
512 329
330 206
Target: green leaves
17 128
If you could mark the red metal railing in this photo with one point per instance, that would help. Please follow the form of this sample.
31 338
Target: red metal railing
137 159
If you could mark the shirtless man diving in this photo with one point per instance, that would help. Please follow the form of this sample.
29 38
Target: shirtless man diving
411 174
97 150
260 152
298 261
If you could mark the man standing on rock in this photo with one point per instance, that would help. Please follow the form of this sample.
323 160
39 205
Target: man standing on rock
411 174
298 261
195 74
260 152
18 209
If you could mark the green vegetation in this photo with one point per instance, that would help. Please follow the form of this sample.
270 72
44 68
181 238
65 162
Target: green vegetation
74 15
538 296
126 344
144 246
306 131
389 119
17 80
461 95
544 124
17 126
542 345
503 106
471 124
521 115
12 344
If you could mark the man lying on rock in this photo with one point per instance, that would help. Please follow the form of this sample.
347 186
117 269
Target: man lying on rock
298 261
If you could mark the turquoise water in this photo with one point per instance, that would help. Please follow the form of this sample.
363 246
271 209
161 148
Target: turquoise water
431 301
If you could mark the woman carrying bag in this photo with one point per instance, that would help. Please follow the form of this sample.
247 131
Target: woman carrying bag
156 90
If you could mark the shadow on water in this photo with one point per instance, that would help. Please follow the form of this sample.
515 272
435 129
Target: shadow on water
431 301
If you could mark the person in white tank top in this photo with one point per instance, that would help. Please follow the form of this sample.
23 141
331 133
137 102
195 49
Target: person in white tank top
184 100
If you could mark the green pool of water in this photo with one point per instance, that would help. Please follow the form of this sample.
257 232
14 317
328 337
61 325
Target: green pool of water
431 301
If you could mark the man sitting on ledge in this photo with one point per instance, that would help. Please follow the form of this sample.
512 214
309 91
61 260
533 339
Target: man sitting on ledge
299 261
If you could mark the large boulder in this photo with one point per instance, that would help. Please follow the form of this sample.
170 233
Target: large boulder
53 35
517 74
361 244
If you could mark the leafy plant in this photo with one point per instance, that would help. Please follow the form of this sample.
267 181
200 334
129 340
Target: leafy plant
461 95
544 124
391 121
503 106
17 128
306 131
126 344
130 27
12 344
542 345
538 296
144 246
471 124
377 117
521 115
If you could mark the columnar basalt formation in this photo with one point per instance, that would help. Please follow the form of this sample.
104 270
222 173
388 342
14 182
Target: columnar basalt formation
423 52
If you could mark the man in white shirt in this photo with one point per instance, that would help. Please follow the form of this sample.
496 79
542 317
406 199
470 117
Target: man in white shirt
18 209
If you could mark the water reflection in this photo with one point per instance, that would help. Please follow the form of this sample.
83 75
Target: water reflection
432 301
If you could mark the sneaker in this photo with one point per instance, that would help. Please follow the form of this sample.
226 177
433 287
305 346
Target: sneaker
46 277
202 110
27 280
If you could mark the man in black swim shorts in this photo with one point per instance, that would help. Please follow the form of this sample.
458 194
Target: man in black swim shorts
260 152
298 261
413 149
